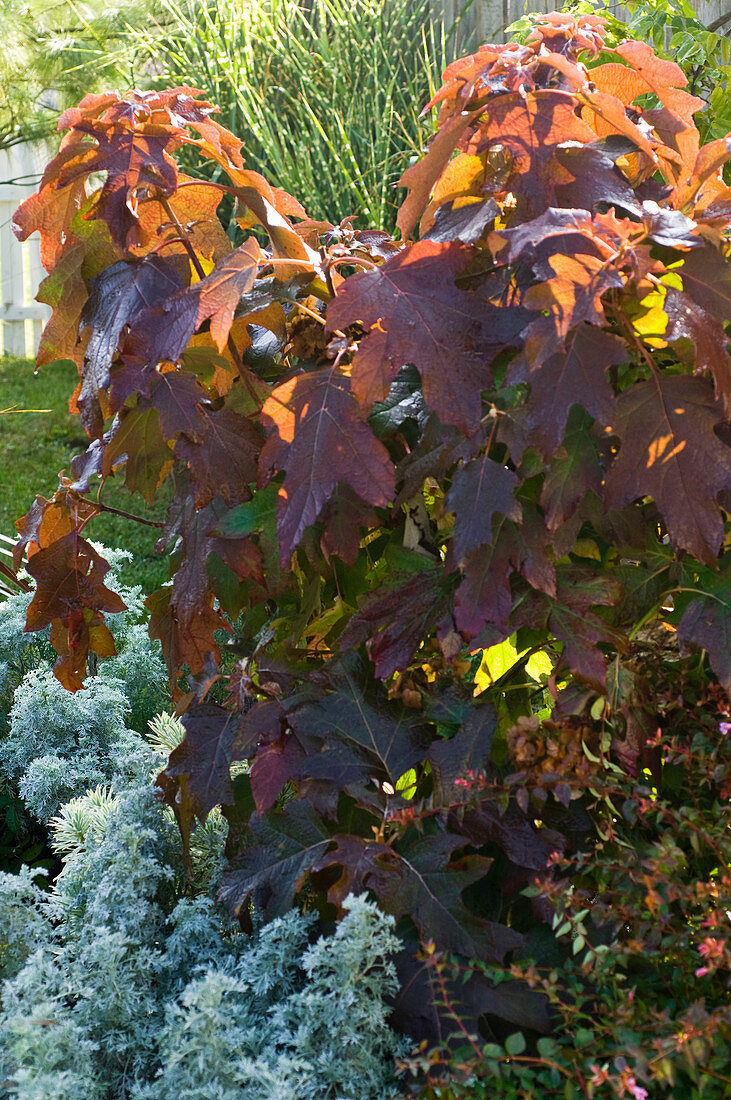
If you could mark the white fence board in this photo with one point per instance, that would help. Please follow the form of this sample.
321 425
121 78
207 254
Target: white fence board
21 318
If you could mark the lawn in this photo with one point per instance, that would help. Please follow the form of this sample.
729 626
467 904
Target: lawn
39 437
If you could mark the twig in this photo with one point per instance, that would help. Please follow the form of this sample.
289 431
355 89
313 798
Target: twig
118 512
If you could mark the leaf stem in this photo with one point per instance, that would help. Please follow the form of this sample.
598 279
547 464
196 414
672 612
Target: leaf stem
185 240
164 202
119 512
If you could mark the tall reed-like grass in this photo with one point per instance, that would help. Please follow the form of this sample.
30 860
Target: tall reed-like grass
327 93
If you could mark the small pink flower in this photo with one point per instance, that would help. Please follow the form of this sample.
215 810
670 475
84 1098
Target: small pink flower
600 1075
711 949
724 727
702 970
635 1090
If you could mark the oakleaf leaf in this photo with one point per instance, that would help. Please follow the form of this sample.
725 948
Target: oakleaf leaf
706 623
283 847
574 375
671 452
480 489
116 297
319 438
425 882
416 314
203 757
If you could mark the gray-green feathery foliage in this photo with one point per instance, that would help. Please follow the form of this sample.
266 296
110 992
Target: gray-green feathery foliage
54 745
120 988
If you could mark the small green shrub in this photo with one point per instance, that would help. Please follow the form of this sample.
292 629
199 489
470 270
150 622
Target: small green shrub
639 967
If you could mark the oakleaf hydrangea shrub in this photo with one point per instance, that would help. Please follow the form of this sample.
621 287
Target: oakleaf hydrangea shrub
55 745
118 986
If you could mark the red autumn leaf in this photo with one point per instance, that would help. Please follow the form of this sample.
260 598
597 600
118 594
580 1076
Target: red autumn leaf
344 518
706 276
224 459
569 295
116 297
354 856
194 205
133 160
356 741
531 127
427 882
277 763
283 849
65 291
203 758
184 106
665 79
163 627
179 399
139 445
420 177
164 332
484 598
51 210
416 314
575 470
570 618
479 489
47 521
320 438
577 375
707 337
221 291
394 621
706 623
69 576
671 452
191 607
73 637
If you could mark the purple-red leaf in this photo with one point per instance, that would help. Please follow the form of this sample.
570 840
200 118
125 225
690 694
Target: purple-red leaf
320 438
671 452
416 314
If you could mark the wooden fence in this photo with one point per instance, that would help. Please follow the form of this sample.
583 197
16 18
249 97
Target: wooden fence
486 20
21 318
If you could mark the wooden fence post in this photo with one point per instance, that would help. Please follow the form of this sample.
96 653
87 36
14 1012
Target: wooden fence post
21 318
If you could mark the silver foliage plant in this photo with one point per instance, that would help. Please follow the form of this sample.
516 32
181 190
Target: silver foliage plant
120 988
127 981
54 745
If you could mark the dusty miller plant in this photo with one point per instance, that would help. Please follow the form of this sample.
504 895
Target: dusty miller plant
122 984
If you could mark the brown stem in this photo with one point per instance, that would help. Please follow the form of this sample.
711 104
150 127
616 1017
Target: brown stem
183 236
354 261
536 1062
315 316
620 317
118 512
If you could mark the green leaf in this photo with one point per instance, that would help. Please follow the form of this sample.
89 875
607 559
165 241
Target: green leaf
253 516
515 1043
